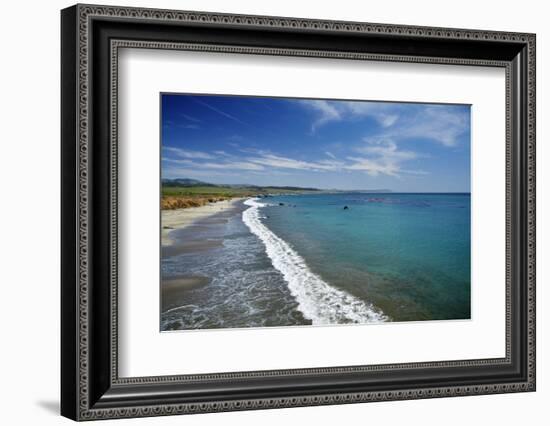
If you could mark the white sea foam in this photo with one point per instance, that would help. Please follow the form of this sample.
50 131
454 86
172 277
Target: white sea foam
317 300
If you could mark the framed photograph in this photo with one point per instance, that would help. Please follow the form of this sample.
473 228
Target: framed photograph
263 212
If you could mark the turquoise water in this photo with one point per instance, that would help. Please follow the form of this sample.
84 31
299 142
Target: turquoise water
305 260
406 254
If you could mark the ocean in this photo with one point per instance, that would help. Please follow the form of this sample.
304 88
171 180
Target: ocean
322 259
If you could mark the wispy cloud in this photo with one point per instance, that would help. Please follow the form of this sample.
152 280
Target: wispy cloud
442 124
190 118
278 161
219 111
325 112
332 111
323 143
435 123
185 153
173 172
381 156
374 157
383 153
438 123
386 114
226 165
386 148
189 126
188 122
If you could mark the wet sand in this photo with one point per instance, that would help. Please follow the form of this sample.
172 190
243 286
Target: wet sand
182 218
190 246
189 231
174 288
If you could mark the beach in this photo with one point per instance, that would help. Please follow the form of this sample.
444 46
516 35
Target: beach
189 231
324 259
216 273
181 218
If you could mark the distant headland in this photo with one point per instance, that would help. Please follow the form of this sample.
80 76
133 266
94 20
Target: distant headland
181 193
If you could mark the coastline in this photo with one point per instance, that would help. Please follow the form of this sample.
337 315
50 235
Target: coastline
251 262
184 232
177 219
216 274
194 230
318 301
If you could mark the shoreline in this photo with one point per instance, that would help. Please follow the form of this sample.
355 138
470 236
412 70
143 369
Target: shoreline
318 300
191 231
177 219
220 277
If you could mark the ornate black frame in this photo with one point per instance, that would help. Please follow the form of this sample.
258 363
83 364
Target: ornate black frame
91 37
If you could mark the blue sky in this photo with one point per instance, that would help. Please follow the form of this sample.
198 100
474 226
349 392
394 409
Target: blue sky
327 144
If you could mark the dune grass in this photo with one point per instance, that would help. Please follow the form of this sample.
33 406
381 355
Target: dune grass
181 197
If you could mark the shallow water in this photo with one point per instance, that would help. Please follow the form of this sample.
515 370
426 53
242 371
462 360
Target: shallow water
407 254
245 290
396 257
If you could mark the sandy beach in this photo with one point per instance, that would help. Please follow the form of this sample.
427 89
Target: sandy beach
182 218
190 231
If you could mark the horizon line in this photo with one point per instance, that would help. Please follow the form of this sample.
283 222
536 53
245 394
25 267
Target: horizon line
379 190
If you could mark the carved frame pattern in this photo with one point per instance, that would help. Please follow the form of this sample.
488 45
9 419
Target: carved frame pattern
85 13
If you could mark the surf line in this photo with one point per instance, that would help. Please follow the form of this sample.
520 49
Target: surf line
318 301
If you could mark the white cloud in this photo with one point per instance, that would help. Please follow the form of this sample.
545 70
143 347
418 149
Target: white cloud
375 156
374 167
185 153
442 124
170 172
385 114
436 123
379 158
239 165
277 161
414 172
386 148
382 156
326 112
388 120
227 165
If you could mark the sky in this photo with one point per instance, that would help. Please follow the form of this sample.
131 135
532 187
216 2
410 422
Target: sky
326 144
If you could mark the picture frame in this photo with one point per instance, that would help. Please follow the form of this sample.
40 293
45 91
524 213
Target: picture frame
91 388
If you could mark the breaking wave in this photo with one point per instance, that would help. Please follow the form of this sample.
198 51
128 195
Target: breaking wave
317 300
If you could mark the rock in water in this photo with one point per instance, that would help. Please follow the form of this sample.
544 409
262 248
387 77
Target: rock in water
346 207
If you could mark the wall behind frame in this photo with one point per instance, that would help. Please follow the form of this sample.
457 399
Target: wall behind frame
29 213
